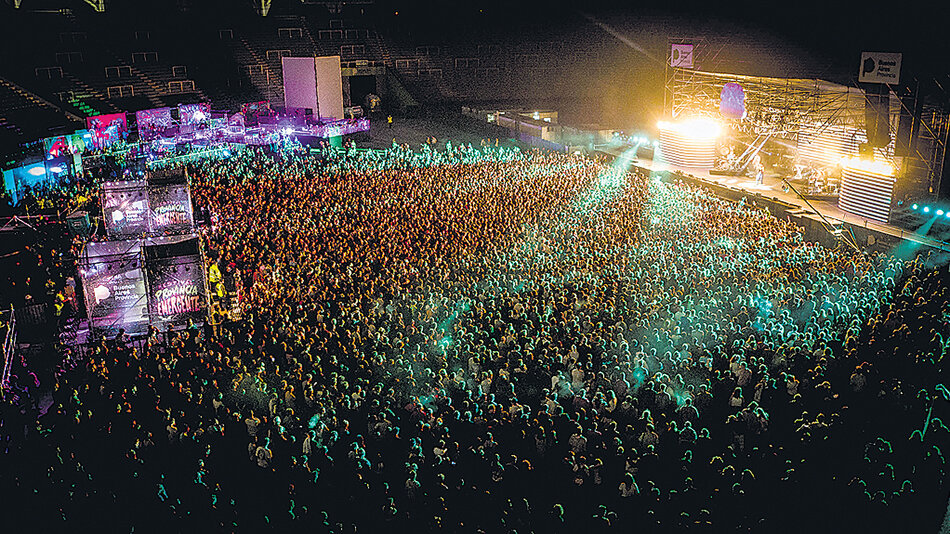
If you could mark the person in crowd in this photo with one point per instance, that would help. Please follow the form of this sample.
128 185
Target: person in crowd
494 340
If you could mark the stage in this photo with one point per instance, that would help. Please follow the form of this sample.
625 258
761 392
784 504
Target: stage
771 190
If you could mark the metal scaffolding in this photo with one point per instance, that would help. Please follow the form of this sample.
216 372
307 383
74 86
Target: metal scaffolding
777 106
803 110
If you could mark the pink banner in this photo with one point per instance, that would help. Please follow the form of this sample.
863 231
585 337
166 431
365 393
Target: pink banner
107 129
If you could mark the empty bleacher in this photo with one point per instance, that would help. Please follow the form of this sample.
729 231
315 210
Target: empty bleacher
25 116
90 63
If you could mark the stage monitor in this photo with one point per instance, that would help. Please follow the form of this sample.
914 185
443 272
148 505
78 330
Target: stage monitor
176 281
114 287
732 101
125 208
107 129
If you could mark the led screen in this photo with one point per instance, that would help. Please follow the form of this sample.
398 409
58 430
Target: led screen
125 208
114 288
152 123
107 129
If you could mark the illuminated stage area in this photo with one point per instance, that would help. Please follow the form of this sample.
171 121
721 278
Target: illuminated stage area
820 137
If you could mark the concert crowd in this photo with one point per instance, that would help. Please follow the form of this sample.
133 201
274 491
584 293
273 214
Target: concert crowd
482 339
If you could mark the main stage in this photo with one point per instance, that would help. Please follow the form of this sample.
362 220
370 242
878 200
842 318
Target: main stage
771 194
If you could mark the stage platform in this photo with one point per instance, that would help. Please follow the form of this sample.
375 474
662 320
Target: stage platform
771 189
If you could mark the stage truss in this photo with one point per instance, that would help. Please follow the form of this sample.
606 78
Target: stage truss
780 106
820 116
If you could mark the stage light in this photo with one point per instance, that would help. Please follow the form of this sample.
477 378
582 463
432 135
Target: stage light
926 209
939 213
882 168
694 128
39 170
913 207
56 169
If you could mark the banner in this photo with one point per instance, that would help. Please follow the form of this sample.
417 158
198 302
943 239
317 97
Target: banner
152 123
177 285
107 129
73 145
114 290
170 207
159 205
732 101
16 181
125 208
880 67
681 55
340 127
194 113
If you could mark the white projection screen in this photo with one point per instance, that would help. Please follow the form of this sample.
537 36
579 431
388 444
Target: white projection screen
329 87
300 83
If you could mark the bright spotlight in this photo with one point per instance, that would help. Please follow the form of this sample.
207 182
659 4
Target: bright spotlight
939 213
694 128
37 171
882 168
913 207
926 209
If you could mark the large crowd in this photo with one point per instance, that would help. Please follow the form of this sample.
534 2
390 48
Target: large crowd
480 339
